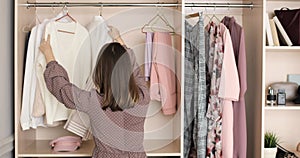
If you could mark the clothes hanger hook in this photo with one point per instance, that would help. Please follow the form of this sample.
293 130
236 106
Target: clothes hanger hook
65 8
215 9
192 9
101 9
228 9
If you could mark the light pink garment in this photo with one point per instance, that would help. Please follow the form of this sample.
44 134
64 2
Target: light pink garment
239 112
163 76
38 109
229 91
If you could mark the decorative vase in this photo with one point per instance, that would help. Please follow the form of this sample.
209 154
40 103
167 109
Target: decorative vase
270 152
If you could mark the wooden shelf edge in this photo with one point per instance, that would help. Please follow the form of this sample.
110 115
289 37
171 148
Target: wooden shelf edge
40 148
282 48
288 106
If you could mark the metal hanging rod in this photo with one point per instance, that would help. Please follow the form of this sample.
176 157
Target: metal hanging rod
221 5
96 4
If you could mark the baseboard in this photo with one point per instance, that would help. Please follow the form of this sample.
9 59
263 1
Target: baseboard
6 145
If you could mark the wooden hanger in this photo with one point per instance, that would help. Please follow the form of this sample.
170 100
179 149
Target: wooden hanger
154 20
65 9
192 15
197 14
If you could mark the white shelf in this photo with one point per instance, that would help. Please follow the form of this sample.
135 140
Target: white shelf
288 106
41 148
172 148
283 48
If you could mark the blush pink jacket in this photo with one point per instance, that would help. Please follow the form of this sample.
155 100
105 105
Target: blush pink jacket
229 91
163 77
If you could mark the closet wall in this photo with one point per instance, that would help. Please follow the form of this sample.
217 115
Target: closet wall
251 20
6 80
162 133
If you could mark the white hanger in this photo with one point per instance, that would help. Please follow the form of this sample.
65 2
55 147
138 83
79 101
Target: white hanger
34 22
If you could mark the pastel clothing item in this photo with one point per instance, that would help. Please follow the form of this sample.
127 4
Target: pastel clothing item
163 76
195 104
73 51
229 91
98 32
116 134
38 105
148 55
214 110
78 122
239 112
32 103
26 119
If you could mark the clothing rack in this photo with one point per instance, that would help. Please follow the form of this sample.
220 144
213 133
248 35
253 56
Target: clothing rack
100 4
96 4
221 5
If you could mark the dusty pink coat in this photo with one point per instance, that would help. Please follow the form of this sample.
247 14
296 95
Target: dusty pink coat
229 91
163 77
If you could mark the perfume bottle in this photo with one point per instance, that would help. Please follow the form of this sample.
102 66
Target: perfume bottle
271 97
281 96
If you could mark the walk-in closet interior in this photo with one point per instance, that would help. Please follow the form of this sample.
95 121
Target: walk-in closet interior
133 18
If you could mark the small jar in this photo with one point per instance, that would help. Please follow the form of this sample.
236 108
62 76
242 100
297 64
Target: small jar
281 97
271 97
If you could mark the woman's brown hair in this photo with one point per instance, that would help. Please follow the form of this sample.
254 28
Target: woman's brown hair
113 77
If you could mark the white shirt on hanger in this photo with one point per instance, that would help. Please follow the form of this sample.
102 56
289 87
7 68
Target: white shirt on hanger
79 122
27 120
73 52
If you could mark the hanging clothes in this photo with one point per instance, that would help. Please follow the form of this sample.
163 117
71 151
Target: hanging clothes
214 149
239 112
31 111
78 122
148 55
73 51
195 121
163 76
224 89
26 119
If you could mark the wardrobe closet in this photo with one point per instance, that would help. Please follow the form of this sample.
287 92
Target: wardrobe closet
251 21
162 132
282 120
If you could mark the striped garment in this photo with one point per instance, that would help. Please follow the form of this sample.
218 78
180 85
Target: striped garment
195 105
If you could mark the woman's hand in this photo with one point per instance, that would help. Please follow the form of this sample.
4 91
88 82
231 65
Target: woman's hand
115 35
46 49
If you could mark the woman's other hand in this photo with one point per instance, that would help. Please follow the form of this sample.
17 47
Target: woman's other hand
115 35
46 49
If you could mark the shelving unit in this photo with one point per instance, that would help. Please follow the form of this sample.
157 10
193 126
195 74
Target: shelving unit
278 62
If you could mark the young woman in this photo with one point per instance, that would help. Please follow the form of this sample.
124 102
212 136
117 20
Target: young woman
117 107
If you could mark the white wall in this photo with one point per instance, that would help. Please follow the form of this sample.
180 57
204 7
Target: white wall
6 79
